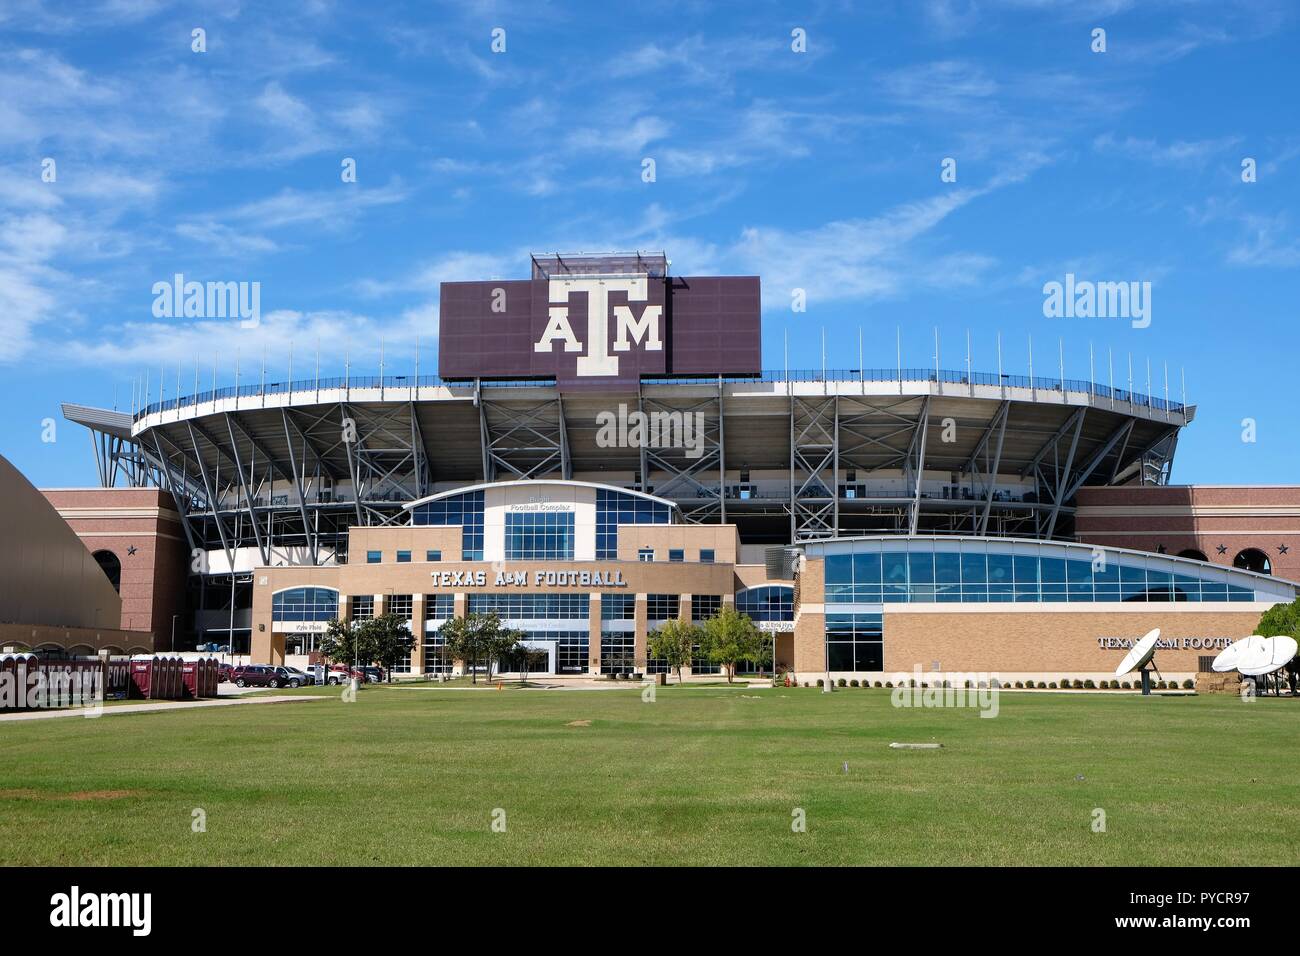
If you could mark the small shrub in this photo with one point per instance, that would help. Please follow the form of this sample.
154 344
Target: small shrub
854 682
1189 684
1065 682
878 684
995 683
1078 684
842 682
1051 685
1020 683
819 682
889 684
1125 685
1042 685
1089 685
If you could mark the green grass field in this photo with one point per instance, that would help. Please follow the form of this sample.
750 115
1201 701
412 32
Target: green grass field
700 776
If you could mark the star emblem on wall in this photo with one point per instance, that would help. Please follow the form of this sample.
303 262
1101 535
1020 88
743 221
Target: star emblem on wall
1282 549
131 550
1222 549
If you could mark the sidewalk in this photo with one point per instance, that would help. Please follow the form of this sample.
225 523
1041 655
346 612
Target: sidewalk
153 707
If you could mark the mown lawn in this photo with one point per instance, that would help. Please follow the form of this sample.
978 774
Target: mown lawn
700 776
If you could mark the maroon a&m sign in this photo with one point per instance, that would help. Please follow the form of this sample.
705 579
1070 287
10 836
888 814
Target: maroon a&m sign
599 330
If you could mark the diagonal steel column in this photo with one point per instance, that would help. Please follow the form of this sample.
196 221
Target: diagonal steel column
298 490
248 498
1063 477
924 430
1004 412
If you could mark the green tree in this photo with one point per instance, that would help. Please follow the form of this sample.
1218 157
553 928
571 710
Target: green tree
387 640
730 636
344 642
1283 619
674 642
1280 619
499 642
527 657
463 640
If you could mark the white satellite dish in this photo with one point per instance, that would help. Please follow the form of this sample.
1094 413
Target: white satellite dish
1140 656
1275 654
1236 652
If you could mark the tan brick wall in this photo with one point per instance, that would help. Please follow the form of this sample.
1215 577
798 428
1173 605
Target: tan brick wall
723 539
1048 641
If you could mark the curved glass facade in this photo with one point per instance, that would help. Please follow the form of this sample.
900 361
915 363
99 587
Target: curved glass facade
925 570
771 602
305 604
618 507
465 510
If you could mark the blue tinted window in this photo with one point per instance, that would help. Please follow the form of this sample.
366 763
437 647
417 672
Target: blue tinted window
920 575
373 557
767 603
464 511
539 535
616 507
305 604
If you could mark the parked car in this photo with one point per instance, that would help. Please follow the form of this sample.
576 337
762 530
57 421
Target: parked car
373 675
264 675
225 672
304 678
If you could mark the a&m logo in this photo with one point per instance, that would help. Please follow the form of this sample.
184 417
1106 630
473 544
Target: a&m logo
629 328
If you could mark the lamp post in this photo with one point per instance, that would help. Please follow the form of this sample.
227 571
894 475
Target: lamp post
173 645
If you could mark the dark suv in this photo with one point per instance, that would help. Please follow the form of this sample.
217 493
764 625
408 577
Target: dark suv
264 675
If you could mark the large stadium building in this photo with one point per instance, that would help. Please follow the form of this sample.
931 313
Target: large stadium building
601 451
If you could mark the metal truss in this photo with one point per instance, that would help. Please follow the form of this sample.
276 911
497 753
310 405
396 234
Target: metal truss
983 466
673 473
524 440
287 480
814 468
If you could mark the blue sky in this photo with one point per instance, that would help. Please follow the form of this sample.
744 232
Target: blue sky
817 170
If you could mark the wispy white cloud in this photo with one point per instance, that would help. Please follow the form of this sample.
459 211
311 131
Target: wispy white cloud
1174 153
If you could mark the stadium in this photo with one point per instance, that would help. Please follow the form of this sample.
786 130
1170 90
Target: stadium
528 454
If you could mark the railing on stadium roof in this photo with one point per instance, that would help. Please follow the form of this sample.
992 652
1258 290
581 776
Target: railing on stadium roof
944 376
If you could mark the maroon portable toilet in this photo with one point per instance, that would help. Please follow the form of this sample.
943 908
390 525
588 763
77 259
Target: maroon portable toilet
141 677
157 678
175 683
211 672
190 674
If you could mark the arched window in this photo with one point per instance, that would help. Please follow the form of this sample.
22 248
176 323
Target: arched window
305 604
112 568
1253 559
771 602
1193 554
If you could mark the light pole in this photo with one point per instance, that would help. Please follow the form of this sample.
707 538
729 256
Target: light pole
173 647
